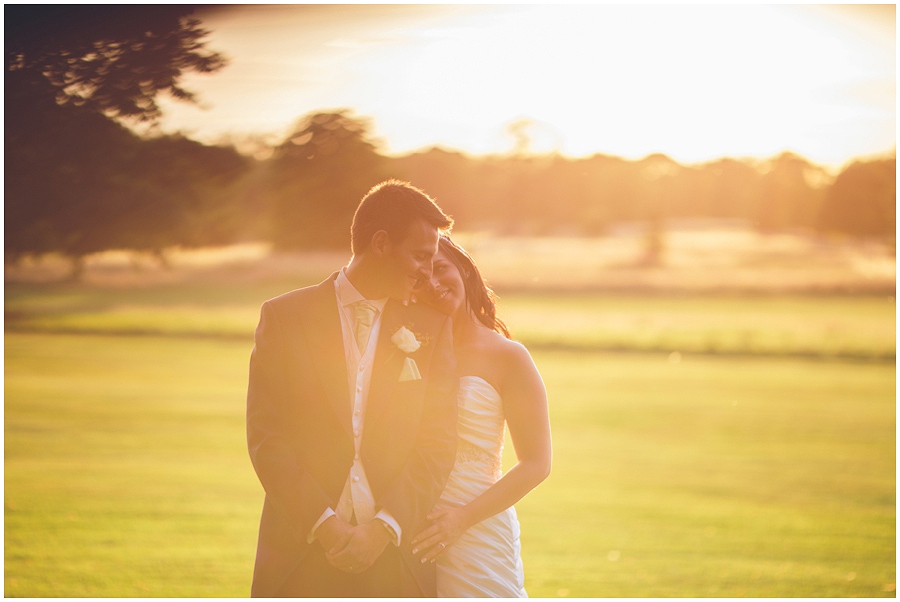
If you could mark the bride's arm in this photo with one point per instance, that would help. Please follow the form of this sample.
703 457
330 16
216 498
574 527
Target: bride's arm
525 408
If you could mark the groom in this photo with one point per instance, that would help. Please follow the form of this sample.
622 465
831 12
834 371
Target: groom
351 413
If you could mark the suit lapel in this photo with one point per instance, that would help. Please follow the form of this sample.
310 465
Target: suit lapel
326 341
388 360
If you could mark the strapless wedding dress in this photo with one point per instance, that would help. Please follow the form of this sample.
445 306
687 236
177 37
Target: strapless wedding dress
486 560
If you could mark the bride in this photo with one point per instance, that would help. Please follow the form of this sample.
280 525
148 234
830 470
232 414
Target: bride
474 534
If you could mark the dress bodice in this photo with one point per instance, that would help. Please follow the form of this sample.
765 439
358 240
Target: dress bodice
485 562
480 448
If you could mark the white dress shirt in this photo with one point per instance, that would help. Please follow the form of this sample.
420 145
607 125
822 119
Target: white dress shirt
356 498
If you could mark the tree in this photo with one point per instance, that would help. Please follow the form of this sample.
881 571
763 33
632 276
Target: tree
114 59
74 177
789 198
317 177
863 200
180 192
61 188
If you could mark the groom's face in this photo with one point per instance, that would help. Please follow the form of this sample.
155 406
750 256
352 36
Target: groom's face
408 263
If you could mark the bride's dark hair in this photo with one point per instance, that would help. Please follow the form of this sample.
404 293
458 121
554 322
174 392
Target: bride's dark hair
480 298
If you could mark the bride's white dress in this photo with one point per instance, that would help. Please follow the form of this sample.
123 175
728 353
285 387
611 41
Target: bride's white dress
486 560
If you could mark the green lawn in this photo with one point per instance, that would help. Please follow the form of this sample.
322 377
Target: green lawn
861 327
126 472
714 477
850 327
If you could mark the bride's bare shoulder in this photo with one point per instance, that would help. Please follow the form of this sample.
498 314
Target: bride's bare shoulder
512 355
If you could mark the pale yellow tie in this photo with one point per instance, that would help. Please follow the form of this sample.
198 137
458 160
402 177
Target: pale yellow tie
365 317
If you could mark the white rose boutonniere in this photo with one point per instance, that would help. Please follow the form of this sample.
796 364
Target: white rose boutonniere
405 340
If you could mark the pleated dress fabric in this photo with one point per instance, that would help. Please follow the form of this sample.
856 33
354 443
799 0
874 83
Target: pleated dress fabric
486 560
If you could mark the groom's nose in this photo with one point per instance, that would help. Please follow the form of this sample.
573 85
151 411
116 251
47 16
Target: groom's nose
423 277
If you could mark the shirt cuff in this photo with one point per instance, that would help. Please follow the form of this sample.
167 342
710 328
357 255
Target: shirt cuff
387 519
325 516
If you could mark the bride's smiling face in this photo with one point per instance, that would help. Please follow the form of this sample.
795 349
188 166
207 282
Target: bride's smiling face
446 290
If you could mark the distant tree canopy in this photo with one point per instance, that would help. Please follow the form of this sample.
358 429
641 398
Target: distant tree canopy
863 200
316 178
553 194
75 180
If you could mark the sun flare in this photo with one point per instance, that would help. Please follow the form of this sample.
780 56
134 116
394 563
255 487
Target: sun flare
693 82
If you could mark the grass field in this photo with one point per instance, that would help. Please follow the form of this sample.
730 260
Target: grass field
714 477
754 474
850 327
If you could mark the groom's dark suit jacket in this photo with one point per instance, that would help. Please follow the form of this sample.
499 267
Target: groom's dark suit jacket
299 425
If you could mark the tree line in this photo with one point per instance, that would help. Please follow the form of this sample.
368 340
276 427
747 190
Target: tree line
98 186
77 181
317 176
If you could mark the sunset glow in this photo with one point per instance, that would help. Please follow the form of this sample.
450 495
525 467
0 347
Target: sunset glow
693 82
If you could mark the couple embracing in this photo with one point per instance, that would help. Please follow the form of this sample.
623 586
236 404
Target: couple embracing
375 415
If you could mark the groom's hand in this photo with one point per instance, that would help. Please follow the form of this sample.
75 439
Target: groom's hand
331 532
360 548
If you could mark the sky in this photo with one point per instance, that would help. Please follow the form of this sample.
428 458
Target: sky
694 82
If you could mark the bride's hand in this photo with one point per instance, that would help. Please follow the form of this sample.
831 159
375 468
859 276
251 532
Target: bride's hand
447 525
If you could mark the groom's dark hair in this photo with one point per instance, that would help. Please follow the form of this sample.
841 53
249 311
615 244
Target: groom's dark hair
392 206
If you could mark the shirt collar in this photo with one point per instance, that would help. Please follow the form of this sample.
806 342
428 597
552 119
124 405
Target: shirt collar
348 295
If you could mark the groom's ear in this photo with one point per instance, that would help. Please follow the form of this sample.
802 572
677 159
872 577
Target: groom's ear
381 243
